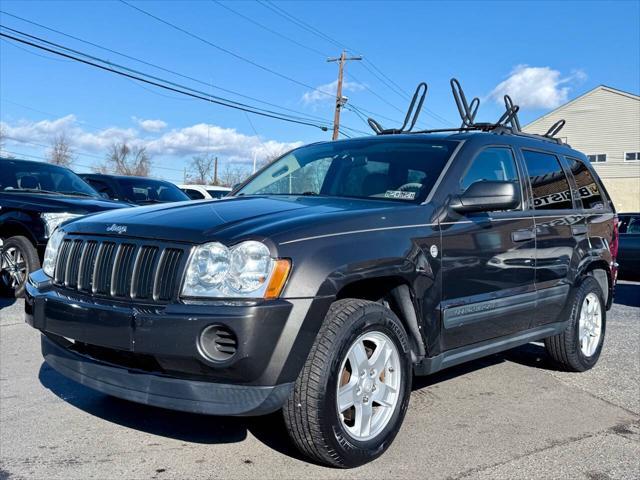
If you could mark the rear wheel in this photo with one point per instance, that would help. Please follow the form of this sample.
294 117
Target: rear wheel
352 394
19 258
578 347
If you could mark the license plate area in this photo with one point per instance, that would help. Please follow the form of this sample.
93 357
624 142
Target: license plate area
106 327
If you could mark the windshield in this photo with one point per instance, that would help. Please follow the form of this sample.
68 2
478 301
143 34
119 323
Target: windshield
144 190
385 170
17 176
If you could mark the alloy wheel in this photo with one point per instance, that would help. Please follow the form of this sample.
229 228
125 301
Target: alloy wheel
590 324
369 385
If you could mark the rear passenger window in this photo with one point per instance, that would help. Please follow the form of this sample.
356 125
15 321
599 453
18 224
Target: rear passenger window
587 187
548 181
493 163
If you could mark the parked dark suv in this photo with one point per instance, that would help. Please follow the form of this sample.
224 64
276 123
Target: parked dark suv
331 277
135 190
35 197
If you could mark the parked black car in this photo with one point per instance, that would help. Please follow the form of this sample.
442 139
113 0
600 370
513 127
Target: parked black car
629 246
331 277
134 190
35 197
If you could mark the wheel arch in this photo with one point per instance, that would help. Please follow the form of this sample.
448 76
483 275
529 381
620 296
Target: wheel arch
396 293
600 270
12 229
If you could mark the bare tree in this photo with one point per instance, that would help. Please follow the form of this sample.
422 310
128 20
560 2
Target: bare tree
125 160
232 174
60 152
204 168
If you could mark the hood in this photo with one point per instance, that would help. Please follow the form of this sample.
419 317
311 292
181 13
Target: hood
201 221
56 203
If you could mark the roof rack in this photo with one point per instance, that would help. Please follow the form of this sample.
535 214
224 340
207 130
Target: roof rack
507 124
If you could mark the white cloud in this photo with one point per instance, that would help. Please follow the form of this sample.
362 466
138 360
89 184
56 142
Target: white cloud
150 125
183 142
327 92
536 87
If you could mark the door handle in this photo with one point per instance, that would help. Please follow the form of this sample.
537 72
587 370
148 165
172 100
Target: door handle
579 229
523 235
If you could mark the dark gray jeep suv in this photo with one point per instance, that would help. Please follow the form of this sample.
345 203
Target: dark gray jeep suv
332 276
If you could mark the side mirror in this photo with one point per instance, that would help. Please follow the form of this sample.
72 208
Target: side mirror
486 196
104 195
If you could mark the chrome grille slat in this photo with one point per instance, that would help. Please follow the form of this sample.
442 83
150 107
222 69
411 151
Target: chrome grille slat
87 264
165 280
61 264
120 268
121 273
104 265
141 283
73 264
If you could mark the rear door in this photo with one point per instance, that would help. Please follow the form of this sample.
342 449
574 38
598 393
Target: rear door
487 259
559 229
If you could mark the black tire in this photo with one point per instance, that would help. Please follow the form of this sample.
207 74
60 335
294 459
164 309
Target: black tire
31 261
311 413
564 348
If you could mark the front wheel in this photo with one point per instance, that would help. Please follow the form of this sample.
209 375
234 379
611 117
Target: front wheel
18 258
352 394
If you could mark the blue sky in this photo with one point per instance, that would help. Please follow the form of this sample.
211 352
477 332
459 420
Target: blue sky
543 53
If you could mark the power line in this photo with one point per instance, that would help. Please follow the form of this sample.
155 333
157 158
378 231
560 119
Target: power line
268 29
222 49
305 26
393 86
152 80
296 42
164 69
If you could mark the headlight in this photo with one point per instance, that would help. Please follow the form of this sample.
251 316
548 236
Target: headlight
52 220
244 270
51 253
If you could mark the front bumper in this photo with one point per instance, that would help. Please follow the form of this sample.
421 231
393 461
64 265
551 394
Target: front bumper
162 391
150 353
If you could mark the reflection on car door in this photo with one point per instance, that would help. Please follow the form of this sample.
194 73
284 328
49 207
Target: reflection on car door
487 263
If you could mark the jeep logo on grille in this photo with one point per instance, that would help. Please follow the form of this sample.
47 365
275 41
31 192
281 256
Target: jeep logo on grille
117 228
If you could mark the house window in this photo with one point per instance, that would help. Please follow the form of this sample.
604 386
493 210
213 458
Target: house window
597 157
631 156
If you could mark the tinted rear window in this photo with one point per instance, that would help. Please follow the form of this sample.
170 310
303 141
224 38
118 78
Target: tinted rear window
142 190
588 189
548 181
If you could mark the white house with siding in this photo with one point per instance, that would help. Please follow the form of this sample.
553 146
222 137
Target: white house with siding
604 124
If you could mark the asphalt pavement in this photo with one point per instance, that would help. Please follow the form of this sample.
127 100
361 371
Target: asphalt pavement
511 415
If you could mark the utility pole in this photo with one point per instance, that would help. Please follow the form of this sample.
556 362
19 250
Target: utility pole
215 171
340 101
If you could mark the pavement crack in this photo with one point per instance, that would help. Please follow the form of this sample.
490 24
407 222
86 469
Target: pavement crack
473 471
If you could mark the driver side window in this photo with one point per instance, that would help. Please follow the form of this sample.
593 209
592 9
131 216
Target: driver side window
493 163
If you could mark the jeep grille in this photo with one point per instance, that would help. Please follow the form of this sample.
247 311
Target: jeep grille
120 268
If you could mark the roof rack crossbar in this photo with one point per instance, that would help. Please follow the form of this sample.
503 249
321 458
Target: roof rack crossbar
412 114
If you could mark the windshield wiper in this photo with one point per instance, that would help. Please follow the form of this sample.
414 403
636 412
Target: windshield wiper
73 192
29 190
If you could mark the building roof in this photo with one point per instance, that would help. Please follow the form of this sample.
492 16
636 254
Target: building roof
605 88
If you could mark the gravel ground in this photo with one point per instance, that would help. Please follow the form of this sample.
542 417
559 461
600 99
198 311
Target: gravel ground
507 416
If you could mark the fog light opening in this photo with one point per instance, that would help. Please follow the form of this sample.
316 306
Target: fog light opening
217 343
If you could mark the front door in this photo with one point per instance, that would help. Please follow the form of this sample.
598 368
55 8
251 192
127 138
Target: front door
487 262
